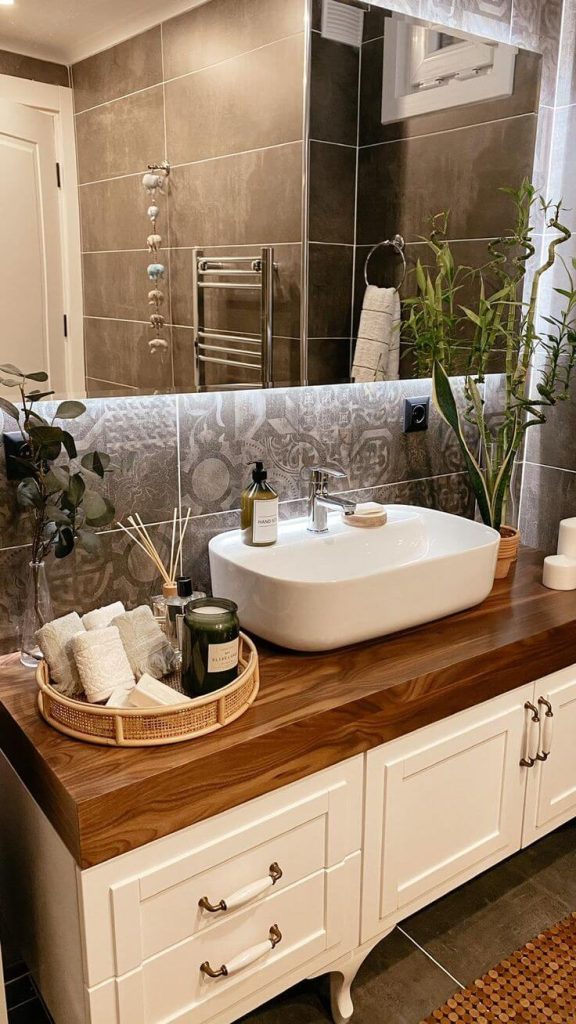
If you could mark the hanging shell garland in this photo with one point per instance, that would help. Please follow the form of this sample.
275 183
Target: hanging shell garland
154 181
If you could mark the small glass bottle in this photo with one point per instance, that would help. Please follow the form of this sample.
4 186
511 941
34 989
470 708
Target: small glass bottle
210 645
175 610
259 510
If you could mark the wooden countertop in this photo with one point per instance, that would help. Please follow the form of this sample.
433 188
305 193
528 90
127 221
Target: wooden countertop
313 710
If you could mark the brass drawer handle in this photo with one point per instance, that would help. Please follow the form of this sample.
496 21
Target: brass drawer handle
249 956
245 895
532 737
546 730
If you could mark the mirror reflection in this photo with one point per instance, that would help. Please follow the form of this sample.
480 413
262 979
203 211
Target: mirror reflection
252 214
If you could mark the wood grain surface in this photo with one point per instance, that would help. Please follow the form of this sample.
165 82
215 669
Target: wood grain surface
313 710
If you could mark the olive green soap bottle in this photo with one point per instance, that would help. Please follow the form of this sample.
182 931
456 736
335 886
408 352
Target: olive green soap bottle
259 510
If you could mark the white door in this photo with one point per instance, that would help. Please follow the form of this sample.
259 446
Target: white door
442 805
32 332
551 793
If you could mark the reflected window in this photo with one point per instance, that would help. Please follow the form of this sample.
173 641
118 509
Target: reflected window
426 70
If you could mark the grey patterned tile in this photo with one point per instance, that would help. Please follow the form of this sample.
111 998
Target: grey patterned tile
548 495
13 569
567 78
489 18
221 434
536 25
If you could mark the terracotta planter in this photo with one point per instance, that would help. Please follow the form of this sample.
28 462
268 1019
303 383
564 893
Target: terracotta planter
508 551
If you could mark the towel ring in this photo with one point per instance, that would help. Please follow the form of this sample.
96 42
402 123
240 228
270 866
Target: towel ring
398 244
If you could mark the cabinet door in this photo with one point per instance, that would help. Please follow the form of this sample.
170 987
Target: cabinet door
551 793
442 805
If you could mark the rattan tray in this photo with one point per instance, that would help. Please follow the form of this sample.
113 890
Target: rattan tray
143 727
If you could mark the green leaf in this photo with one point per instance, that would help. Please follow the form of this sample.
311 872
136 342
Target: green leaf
69 444
38 396
46 435
65 543
69 410
89 541
75 491
56 515
28 494
472 316
10 368
9 409
58 478
39 376
96 462
8 383
99 511
445 403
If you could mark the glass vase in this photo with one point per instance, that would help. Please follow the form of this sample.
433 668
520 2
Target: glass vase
37 611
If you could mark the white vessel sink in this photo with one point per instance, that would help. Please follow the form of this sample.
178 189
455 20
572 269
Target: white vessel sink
315 592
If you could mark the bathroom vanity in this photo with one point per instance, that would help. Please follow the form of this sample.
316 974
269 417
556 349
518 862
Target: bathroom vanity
194 882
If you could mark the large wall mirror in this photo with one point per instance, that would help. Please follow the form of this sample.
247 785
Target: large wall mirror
308 151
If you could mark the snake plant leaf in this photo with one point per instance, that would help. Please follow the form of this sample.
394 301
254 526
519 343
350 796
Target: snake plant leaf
502 481
446 404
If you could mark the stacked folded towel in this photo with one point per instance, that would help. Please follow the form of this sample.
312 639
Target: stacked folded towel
55 640
102 663
102 617
145 644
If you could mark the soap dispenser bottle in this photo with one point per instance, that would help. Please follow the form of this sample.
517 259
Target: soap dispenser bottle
259 510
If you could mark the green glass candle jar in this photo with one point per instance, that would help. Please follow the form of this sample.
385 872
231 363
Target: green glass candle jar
210 645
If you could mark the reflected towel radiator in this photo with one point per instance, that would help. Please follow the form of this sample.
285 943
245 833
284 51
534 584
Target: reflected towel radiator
230 349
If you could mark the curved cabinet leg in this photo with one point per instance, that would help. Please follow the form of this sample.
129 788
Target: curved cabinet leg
341 978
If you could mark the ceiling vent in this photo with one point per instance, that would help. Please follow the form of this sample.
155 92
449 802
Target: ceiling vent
342 22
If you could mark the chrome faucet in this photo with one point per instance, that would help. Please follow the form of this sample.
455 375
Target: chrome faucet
319 500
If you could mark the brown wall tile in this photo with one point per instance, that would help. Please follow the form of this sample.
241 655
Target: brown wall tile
219 30
334 91
122 136
406 182
332 192
252 198
132 65
329 361
117 351
20 66
330 290
116 285
249 102
113 214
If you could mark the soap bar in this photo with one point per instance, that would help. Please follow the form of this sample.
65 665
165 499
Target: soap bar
151 693
370 513
119 698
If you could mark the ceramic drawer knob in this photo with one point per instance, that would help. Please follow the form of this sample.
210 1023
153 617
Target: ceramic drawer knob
156 271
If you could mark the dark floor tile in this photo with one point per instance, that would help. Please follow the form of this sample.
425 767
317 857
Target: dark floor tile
29 1013
551 864
20 990
476 926
397 984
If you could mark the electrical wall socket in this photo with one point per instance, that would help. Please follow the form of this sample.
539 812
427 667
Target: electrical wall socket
416 414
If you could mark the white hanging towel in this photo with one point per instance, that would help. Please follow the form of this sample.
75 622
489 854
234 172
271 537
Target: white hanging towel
377 353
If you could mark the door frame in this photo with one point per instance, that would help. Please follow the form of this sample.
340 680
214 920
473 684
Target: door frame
58 101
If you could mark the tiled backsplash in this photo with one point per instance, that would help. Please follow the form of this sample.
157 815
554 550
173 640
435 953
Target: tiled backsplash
193 451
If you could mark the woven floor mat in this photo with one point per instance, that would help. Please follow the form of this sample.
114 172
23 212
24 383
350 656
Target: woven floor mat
536 985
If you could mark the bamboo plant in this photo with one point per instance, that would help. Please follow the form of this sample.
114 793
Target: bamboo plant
449 335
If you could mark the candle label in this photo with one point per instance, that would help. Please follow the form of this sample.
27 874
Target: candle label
223 657
265 522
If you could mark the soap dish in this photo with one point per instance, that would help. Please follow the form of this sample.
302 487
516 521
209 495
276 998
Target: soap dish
367 515
151 727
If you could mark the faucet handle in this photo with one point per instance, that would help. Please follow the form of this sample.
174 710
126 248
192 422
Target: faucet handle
319 473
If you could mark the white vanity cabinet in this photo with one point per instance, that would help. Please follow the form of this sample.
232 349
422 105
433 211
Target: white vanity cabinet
442 805
551 789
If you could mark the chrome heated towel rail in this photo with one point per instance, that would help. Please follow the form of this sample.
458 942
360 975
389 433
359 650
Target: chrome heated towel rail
247 273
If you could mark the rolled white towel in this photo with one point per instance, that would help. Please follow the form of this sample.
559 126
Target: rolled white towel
102 617
102 663
145 644
54 640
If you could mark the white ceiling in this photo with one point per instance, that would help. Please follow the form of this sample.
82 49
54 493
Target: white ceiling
69 30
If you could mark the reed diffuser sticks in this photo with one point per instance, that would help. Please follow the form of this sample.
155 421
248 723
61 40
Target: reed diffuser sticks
139 535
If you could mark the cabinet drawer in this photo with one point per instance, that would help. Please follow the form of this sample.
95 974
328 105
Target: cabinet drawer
316 917
144 903
170 915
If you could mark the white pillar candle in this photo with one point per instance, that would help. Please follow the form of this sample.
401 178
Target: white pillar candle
567 538
559 572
